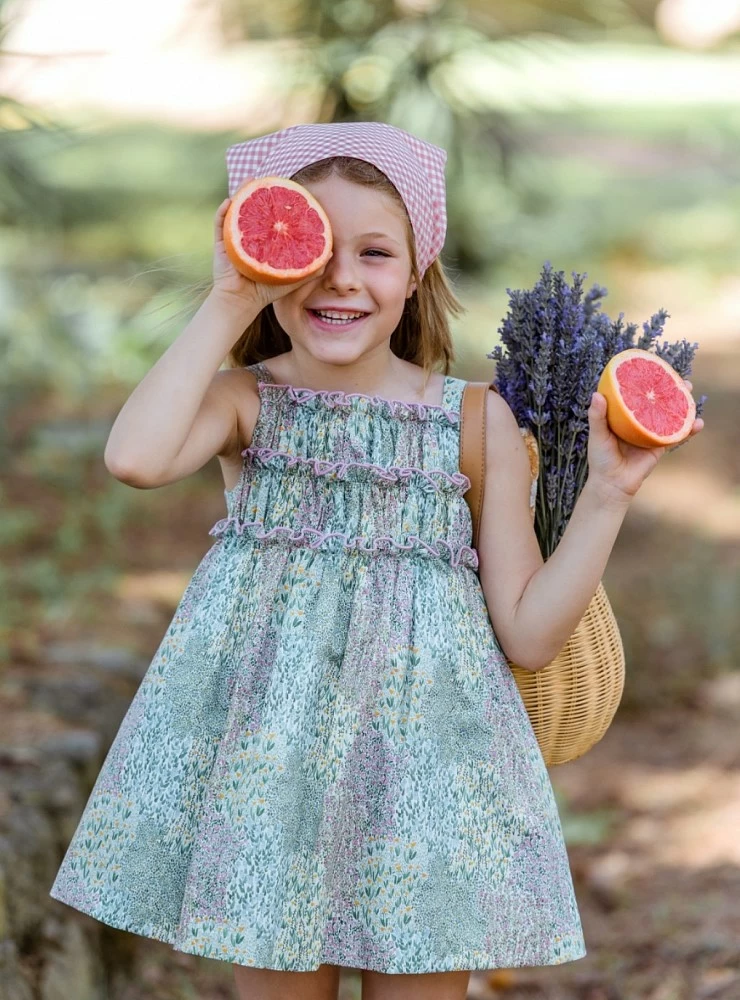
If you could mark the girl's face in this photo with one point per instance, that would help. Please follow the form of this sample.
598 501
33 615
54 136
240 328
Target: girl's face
365 284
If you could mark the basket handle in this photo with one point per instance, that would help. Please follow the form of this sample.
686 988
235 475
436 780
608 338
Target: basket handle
473 446
473 450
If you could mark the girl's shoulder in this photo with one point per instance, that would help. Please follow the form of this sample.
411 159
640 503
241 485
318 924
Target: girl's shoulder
240 386
507 446
501 424
247 397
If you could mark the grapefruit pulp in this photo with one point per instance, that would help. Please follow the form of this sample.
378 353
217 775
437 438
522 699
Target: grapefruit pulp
276 232
647 402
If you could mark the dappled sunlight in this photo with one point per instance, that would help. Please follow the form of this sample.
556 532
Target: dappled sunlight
695 23
681 817
164 62
169 63
553 74
702 306
671 779
705 837
159 586
687 818
691 498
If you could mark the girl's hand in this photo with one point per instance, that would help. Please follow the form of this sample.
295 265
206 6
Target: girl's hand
618 469
229 282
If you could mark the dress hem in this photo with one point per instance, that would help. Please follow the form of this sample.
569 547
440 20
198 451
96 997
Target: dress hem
445 965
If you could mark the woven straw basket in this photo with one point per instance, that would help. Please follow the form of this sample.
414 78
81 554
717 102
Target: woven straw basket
572 701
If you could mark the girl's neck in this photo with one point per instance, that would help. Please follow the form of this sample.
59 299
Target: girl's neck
399 379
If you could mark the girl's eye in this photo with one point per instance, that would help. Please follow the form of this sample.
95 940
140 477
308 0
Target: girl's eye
380 253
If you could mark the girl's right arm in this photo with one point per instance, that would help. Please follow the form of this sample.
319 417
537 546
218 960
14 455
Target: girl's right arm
184 410
181 413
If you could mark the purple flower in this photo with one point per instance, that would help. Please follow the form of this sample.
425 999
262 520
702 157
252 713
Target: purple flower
555 343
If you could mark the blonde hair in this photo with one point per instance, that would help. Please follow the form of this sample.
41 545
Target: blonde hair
423 332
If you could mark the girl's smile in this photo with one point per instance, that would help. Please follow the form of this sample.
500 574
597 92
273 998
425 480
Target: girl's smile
334 319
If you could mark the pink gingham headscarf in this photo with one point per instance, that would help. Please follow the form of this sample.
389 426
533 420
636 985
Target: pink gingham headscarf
414 167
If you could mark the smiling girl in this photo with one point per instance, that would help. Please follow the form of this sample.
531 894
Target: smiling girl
328 763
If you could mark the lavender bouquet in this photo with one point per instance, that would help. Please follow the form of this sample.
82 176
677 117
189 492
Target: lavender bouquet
555 343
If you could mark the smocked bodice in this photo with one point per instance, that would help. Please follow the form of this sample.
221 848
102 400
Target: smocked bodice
340 471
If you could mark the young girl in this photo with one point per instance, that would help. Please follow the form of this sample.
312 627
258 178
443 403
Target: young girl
328 762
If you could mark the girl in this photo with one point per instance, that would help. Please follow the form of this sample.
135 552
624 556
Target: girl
328 762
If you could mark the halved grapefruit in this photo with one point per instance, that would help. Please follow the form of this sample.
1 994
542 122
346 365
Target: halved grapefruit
647 402
276 232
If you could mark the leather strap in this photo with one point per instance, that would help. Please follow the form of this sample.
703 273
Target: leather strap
473 446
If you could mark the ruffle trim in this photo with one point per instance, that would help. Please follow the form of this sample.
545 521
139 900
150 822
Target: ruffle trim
335 541
438 479
331 398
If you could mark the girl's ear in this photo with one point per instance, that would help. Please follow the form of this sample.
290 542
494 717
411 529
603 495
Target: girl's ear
411 289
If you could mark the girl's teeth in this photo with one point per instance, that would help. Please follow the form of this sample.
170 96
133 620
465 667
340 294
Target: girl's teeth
338 318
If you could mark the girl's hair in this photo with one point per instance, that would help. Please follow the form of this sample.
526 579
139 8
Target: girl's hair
423 333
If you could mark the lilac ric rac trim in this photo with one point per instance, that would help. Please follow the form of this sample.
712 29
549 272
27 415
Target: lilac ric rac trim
390 474
337 397
464 556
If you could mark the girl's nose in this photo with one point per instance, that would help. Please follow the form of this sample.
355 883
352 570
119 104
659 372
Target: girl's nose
340 274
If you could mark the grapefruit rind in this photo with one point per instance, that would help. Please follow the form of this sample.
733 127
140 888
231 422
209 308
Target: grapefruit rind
259 270
621 416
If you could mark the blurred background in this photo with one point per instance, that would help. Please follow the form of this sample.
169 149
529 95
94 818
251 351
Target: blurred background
602 135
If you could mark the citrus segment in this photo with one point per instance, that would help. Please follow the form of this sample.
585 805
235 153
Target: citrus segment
276 232
652 396
648 402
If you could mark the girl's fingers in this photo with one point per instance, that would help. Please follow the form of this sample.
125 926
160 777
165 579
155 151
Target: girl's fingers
218 222
221 211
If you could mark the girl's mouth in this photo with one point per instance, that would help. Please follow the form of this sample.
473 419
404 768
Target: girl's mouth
335 319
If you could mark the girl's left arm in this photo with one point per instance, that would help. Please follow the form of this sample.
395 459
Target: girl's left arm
535 605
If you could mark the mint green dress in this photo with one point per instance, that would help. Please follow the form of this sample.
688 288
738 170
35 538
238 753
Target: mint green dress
328 759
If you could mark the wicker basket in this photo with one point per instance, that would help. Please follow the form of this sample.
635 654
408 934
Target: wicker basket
572 700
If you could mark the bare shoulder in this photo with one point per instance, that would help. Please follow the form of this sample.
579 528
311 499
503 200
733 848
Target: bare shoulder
249 404
499 414
506 449
240 386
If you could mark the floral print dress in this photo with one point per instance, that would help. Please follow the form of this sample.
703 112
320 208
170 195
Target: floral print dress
328 759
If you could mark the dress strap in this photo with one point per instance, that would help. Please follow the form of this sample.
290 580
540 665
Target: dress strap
452 393
260 370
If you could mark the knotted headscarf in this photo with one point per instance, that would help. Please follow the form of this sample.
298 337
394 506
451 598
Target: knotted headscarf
415 168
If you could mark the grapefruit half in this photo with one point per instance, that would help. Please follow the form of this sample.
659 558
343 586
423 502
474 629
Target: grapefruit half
647 402
276 232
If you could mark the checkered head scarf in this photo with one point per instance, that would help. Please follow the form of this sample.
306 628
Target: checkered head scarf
414 167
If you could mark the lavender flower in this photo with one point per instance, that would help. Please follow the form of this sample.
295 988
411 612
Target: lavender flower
555 343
